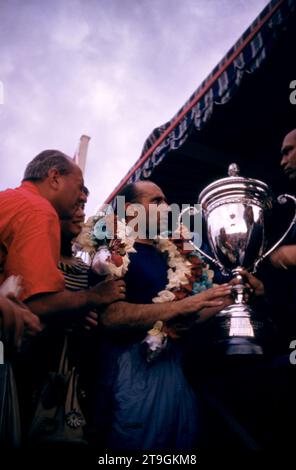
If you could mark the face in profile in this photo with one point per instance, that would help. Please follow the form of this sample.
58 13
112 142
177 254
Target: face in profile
288 153
155 206
70 193
71 228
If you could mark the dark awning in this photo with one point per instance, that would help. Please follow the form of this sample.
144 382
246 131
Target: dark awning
239 113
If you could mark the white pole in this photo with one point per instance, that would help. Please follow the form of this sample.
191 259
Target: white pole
80 156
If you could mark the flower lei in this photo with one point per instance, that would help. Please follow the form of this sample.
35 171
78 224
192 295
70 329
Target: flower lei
187 273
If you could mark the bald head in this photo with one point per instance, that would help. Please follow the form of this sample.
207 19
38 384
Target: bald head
135 192
288 152
291 135
148 189
37 169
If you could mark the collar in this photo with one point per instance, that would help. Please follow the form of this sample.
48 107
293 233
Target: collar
30 187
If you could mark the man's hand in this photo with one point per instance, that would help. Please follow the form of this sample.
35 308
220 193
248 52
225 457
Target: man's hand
17 318
255 285
107 292
284 257
180 325
211 298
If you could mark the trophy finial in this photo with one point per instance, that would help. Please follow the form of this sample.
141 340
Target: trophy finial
233 170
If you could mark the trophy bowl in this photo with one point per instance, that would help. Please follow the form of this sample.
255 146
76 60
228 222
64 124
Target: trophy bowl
235 211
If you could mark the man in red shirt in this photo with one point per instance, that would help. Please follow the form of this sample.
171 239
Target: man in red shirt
52 188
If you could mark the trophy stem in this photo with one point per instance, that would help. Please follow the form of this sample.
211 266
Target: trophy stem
239 288
237 327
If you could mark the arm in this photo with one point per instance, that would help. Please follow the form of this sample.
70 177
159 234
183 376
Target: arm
207 313
284 257
180 327
50 305
57 304
177 326
124 314
14 316
257 289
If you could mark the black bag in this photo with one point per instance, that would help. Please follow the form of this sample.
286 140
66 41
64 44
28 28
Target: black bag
58 417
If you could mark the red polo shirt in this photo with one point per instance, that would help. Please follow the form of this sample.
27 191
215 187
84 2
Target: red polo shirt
30 240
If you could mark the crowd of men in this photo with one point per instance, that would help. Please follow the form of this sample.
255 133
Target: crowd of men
126 402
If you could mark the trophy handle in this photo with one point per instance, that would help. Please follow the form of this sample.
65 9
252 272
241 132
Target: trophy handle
208 257
282 199
193 210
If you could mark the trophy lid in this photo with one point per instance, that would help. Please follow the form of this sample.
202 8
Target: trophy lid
234 189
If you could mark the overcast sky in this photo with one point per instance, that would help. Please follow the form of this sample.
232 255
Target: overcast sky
112 69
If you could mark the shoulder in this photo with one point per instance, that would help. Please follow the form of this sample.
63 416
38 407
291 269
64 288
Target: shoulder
25 201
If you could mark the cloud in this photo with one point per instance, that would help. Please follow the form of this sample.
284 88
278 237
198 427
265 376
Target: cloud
113 69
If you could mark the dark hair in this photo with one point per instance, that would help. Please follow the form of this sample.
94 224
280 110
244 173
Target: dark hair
37 169
129 192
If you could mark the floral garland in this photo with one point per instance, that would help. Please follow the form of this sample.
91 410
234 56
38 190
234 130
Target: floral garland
108 242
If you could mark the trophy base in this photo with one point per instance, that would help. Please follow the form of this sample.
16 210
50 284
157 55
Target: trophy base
237 330
239 346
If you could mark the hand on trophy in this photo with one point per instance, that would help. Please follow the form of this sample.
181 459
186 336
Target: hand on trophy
213 297
256 287
213 301
202 307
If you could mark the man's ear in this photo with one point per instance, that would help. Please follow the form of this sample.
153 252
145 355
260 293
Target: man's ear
53 177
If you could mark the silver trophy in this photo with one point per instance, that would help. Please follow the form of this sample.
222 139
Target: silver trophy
235 211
